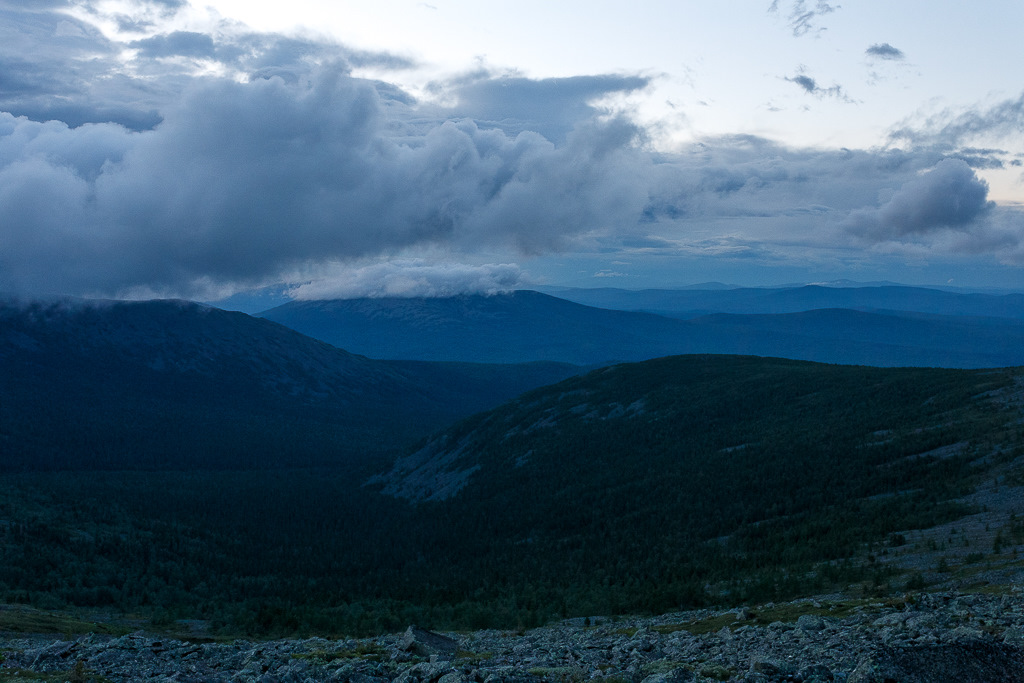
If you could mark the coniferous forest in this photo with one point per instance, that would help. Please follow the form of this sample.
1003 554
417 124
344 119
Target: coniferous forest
646 487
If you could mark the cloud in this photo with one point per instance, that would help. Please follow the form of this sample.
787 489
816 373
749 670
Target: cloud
411 278
949 195
56 64
949 128
811 87
549 106
885 51
183 162
802 18
805 82
178 43
243 180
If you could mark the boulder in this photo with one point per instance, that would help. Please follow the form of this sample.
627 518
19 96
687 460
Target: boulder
679 675
425 643
968 661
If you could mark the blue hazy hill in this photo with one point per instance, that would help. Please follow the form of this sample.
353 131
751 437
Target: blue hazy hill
530 326
692 302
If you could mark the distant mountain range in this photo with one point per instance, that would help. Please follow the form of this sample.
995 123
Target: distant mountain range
529 326
691 303
175 384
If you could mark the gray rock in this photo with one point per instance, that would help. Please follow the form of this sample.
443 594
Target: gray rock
815 673
424 672
424 643
978 661
810 622
769 668
679 675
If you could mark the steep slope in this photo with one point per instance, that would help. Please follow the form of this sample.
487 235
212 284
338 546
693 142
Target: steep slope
175 384
674 474
527 326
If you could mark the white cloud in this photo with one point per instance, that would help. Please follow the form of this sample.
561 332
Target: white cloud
411 278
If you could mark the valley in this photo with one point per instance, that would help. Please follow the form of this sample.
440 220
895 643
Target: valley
207 474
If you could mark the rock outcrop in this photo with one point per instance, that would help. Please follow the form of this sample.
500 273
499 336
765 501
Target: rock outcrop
929 638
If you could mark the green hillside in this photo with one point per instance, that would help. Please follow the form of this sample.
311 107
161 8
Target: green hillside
172 385
645 487
705 478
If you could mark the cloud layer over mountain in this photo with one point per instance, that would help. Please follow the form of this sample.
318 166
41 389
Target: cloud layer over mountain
186 161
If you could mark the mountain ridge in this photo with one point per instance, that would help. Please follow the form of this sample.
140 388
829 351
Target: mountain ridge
526 326
150 372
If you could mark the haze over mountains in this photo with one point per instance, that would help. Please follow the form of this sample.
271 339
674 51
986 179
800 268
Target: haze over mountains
807 323
696 301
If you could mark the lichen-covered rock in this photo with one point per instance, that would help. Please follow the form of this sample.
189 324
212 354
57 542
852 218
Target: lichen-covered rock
933 638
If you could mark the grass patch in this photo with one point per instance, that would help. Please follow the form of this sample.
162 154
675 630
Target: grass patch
715 672
786 613
628 631
472 658
28 620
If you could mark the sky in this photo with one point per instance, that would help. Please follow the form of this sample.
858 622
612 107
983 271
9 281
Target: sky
155 148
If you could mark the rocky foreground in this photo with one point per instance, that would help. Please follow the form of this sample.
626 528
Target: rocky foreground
929 638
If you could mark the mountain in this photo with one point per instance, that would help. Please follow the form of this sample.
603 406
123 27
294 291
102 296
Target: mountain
253 300
675 420
500 328
726 477
674 483
528 326
691 303
173 384
880 338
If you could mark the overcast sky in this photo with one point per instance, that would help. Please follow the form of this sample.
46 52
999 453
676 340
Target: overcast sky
163 148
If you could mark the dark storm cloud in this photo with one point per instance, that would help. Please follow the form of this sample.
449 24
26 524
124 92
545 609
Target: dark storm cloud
885 51
803 16
949 195
242 180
